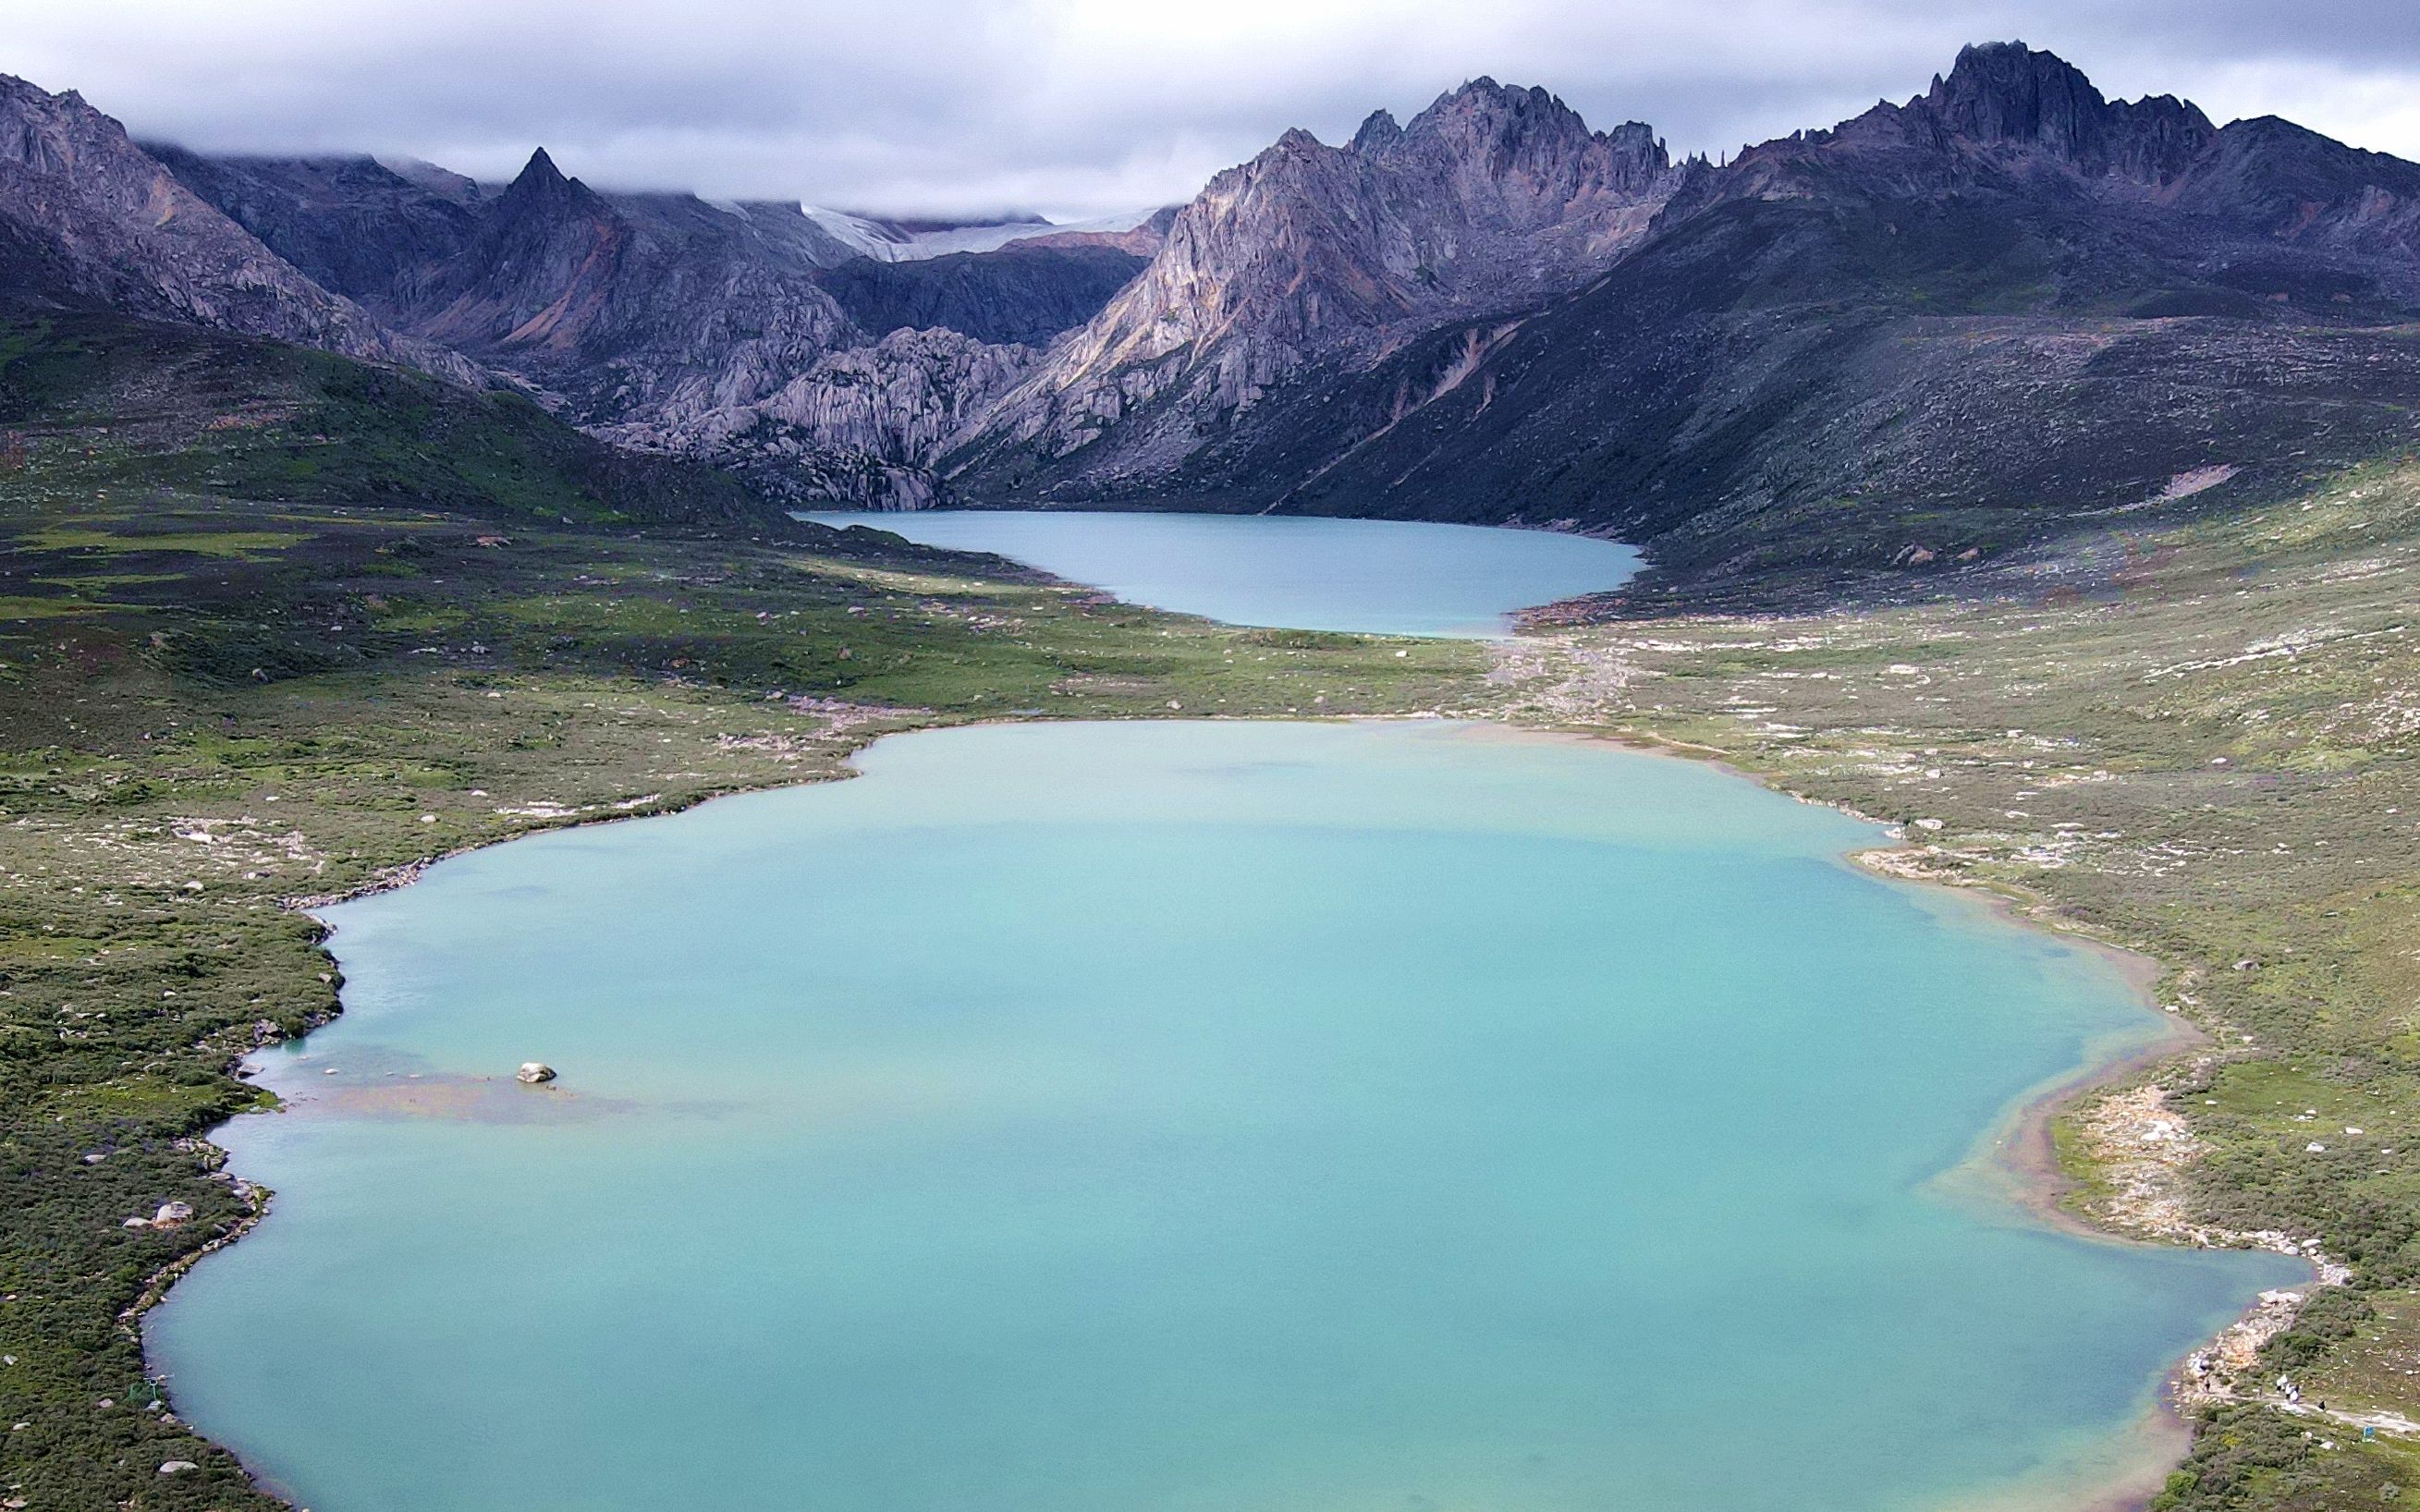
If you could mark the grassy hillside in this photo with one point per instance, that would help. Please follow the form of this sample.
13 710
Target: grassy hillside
98 407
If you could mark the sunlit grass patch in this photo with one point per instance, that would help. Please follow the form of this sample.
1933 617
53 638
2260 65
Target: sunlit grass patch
241 545
21 607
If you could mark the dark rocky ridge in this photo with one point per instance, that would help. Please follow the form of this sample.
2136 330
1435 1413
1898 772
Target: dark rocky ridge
352 224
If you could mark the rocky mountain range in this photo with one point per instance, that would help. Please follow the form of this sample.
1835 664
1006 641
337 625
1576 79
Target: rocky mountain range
660 320
1491 196
1920 334
664 320
87 216
1908 339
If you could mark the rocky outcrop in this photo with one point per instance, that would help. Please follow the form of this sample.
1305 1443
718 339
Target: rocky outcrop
861 427
87 216
902 398
1490 198
2007 94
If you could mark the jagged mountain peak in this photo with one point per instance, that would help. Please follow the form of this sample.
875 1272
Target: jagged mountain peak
541 182
2012 70
1481 112
1483 93
1379 130
2009 94
537 271
1491 197
1528 142
1484 112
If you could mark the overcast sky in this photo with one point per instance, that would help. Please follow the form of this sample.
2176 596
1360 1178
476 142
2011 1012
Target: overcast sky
1077 107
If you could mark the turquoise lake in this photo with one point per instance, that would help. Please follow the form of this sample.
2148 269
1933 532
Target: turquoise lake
1380 576
1184 1117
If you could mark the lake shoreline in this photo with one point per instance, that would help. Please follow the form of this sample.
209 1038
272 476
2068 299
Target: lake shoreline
2022 1146
171 819
1329 573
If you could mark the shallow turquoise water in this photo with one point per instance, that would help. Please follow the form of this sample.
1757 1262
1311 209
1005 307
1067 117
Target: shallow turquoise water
1379 577
1096 1117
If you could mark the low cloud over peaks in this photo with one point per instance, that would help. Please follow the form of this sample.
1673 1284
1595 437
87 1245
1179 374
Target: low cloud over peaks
1080 107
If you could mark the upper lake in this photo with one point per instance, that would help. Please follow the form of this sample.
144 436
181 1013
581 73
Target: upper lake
1186 1116
1379 577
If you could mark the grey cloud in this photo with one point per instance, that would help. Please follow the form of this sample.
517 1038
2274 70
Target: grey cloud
1079 106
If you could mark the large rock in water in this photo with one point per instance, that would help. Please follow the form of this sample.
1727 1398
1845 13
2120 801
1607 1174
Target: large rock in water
533 1071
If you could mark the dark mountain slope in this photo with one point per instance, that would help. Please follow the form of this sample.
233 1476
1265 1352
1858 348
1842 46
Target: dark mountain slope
352 224
1691 402
669 324
1020 295
629 317
88 218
